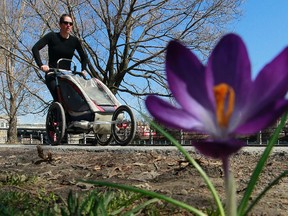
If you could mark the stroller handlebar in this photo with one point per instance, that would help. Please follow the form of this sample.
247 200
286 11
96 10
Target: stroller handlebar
61 71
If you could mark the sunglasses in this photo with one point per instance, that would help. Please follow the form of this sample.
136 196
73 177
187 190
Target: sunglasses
66 23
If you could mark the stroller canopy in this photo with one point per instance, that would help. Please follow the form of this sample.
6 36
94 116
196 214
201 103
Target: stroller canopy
97 91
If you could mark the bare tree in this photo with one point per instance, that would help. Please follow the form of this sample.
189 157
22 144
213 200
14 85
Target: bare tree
15 74
126 39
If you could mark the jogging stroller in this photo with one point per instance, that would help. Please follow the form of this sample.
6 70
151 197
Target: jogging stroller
89 107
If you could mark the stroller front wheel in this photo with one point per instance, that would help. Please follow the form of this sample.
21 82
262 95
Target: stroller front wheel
124 125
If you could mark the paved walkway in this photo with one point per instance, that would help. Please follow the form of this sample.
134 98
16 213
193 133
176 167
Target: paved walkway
131 148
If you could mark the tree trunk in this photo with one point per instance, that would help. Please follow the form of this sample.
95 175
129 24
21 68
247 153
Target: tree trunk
12 131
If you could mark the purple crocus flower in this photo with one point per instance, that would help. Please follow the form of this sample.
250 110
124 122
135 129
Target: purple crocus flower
221 99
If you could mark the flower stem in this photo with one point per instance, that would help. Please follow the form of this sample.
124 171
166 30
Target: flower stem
230 189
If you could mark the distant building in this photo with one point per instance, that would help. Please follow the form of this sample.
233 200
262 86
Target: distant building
4 122
3 128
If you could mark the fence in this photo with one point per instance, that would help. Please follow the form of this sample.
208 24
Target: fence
34 135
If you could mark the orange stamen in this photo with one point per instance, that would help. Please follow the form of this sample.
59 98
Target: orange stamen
225 99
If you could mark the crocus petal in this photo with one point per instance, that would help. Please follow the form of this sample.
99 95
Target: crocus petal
219 149
172 117
263 119
229 63
270 84
186 78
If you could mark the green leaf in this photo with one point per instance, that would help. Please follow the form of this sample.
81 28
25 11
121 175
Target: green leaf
140 207
260 165
271 184
149 194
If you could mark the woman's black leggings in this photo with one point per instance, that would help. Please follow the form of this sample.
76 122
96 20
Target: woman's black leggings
51 84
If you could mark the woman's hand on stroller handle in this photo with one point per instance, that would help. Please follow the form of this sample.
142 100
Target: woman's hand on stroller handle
84 74
45 68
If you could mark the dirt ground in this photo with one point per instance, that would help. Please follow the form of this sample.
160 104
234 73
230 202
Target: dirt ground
163 171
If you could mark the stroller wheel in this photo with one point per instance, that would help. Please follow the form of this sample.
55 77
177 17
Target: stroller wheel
124 125
103 139
55 123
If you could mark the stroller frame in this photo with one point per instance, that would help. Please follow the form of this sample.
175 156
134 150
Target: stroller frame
76 112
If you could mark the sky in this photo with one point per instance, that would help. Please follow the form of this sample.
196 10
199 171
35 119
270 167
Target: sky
263 27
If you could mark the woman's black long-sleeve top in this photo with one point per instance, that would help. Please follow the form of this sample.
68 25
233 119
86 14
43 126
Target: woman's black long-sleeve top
59 47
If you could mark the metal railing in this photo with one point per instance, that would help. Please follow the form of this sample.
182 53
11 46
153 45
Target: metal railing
37 135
